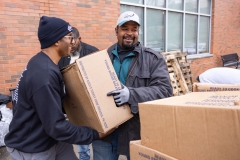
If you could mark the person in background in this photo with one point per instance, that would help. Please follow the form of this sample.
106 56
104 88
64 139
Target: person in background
78 50
39 129
144 77
220 75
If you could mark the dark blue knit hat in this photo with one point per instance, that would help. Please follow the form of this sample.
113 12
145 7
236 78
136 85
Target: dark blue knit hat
51 29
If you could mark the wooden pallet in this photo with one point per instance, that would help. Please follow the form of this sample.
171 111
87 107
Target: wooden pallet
185 68
179 72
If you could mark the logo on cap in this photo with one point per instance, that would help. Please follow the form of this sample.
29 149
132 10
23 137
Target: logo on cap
69 28
129 15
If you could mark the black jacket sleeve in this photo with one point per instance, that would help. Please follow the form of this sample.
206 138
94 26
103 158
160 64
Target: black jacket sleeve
158 87
47 103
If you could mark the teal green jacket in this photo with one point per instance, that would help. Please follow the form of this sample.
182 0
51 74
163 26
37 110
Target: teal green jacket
121 69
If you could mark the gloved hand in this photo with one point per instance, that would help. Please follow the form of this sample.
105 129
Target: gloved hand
120 96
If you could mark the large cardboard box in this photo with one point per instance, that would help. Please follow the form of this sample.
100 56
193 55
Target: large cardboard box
209 87
199 125
87 83
140 152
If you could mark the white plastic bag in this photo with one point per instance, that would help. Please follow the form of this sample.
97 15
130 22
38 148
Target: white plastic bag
4 123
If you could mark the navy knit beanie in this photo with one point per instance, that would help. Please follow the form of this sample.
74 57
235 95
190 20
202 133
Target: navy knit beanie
51 29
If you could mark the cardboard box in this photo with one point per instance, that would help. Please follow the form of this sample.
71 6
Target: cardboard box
199 126
209 87
87 82
140 152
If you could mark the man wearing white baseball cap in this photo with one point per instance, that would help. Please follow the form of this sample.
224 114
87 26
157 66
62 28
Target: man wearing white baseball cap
144 77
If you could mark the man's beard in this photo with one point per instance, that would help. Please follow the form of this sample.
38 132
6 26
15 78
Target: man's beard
127 45
75 53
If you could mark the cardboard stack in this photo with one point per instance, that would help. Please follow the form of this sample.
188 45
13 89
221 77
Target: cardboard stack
209 87
179 72
198 125
87 82
140 152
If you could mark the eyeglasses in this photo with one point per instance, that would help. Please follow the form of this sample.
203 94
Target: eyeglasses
69 37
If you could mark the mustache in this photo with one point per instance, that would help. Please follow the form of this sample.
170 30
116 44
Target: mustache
74 45
128 37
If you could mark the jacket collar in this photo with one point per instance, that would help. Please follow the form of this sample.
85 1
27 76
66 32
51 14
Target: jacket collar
137 48
115 52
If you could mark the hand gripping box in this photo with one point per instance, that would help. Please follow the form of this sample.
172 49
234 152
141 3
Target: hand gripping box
87 82
196 126
140 152
209 87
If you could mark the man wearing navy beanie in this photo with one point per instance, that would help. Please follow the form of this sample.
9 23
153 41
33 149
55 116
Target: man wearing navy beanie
39 129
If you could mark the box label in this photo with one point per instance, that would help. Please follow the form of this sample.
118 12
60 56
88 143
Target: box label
147 156
91 91
113 76
214 89
216 101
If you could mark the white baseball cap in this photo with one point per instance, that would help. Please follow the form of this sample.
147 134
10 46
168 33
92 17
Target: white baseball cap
127 16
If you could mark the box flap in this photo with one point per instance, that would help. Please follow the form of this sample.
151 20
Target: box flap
223 99
140 152
209 87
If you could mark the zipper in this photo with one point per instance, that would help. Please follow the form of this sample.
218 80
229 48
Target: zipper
119 70
132 68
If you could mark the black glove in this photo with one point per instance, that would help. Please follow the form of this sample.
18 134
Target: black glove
120 96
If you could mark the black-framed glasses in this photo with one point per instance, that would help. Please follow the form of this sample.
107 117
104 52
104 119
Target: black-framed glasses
69 37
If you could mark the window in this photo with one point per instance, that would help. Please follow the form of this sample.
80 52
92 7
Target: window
174 29
190 34
168 25
175 4
155 19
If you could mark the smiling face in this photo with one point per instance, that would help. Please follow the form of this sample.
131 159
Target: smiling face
127 34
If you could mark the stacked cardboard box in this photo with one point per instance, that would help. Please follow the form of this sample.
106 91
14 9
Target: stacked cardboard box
140 152
209 87
198 125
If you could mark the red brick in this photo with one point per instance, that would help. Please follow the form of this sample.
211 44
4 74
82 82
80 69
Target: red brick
44 8
2 29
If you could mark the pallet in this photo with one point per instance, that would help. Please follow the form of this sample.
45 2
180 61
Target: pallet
179 72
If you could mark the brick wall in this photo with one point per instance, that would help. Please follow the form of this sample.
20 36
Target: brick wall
225 35
95 20
19 20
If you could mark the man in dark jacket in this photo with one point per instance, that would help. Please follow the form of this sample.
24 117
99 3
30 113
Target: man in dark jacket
144 77
78 50
39 129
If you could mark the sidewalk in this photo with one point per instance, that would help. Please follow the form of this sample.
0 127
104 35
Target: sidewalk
4 155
